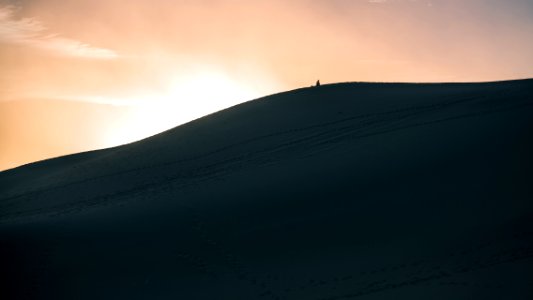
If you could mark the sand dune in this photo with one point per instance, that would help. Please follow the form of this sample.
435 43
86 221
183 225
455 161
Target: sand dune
343 191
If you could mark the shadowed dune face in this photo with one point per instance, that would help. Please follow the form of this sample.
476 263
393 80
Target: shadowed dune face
343 191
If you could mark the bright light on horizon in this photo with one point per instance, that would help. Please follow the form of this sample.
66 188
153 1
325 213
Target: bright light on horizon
184 98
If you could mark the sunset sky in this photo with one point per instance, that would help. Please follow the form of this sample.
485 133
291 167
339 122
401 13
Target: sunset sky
78 75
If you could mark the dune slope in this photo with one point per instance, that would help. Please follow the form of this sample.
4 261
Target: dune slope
344 191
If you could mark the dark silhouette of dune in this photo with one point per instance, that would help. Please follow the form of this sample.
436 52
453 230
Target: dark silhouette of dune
347 191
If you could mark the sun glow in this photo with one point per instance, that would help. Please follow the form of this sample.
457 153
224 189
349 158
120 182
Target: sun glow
183 99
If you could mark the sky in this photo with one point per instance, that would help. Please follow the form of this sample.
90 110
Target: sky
79 75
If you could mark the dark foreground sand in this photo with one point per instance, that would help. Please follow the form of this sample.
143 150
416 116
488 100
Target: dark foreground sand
344 191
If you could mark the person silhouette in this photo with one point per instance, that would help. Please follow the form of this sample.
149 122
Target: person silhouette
318 83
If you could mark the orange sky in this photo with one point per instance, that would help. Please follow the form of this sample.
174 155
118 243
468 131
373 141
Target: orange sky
85 74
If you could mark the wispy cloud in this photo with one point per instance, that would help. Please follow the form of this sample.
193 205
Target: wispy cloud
383 62
31 32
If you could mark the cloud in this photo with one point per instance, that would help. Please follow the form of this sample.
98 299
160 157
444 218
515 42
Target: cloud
31 32
383 62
